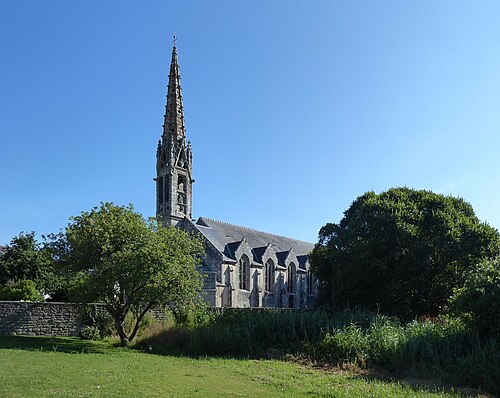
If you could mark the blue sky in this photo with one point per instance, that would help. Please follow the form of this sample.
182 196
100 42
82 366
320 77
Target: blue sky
294 108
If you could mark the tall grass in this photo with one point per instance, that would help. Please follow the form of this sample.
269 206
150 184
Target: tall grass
446 350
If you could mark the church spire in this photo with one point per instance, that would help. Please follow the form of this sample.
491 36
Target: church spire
174 159
174 110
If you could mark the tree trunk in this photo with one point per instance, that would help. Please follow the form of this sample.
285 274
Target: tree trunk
138 321
119 328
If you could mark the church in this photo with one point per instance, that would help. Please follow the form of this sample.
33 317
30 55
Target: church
242 267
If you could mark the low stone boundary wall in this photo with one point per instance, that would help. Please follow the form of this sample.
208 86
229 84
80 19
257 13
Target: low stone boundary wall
47 319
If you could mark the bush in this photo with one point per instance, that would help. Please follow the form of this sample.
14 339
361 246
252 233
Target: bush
478 301
345 345
98 319
90 333
21 290
446 350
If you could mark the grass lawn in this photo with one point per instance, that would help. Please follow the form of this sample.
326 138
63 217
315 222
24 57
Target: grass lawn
70 367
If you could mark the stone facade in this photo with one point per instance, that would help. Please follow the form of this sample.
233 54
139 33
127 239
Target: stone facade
242 267
248 268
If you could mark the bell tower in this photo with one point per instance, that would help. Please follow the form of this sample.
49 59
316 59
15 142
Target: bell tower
174 179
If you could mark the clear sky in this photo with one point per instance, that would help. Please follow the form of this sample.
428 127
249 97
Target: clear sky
294 108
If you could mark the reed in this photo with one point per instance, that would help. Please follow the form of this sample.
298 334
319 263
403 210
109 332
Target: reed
443 349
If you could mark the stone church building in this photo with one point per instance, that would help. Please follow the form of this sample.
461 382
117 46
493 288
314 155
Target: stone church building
242 267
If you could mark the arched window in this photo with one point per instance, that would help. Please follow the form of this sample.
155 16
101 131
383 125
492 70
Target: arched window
244 273
269 275
291 278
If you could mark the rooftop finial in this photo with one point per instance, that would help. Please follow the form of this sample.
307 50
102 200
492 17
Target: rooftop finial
175 39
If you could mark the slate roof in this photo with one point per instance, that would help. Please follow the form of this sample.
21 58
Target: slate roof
227 238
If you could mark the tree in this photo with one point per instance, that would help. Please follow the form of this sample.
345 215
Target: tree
401 252
20 290
478 300
27 260
130 264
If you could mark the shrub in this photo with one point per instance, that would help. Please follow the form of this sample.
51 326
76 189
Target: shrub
99 319
90 333
345 345
478 301
21 290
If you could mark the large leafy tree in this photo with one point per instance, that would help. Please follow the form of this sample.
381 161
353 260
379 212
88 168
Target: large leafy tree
129 264
25 259
401 252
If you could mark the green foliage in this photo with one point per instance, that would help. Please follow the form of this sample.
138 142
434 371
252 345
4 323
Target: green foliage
344 345
129 264
446 350
96 318
244 332
20 290
441 348
90 333
255 333
193 316
26 259
400 252
478 300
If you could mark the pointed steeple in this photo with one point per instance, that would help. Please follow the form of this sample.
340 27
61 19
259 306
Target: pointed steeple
173 156
174 110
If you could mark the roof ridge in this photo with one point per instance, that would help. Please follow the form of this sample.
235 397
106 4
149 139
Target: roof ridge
256 230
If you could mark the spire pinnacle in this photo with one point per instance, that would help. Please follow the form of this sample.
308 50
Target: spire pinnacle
174 129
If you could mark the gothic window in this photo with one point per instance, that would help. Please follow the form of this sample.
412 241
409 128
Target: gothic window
310 282
160 189
269 276
291 278
244 273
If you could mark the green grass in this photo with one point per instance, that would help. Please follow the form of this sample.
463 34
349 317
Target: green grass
69 367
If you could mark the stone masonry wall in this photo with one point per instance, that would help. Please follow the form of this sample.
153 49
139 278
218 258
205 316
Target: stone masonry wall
48 319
